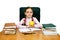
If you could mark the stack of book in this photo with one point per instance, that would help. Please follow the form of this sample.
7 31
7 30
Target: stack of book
49 29
10 28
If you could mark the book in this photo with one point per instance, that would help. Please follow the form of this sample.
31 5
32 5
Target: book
28 30
10 31
49 32
50 25
9 28
49 29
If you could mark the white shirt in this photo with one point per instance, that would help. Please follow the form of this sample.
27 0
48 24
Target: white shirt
27 22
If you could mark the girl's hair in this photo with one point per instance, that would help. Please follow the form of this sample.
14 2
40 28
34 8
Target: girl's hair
27 8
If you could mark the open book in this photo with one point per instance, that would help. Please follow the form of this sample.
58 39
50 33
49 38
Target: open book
28 29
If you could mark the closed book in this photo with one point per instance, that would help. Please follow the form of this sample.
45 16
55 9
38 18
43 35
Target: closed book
49 29
10 27
9 31
50 25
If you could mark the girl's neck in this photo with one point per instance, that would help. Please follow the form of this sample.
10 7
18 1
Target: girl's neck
28 17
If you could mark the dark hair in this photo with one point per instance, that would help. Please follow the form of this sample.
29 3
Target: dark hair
27 8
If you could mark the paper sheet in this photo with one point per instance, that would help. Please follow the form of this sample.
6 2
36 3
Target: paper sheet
24 30
28 29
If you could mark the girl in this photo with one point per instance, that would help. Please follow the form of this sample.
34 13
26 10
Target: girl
29 17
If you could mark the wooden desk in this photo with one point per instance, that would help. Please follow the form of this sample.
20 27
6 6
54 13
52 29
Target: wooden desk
37 36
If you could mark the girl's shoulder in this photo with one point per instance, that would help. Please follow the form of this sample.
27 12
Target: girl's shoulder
23 19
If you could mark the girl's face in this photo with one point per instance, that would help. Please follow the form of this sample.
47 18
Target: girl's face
29 12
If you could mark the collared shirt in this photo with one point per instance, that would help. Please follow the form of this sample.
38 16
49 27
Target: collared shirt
27 22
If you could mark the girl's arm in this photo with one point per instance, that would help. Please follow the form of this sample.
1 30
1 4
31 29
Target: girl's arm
19 25
37 24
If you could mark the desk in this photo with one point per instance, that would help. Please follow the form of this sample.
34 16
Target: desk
37 36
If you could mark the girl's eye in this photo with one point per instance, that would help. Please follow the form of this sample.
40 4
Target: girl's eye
31 12
27 12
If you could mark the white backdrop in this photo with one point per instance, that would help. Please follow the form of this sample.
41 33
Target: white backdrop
50 9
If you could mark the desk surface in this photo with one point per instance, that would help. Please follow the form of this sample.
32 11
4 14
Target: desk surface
37 36
19 36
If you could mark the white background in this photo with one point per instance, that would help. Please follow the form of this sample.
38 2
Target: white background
50 10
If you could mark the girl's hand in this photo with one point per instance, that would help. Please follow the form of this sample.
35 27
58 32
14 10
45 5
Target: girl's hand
31 26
